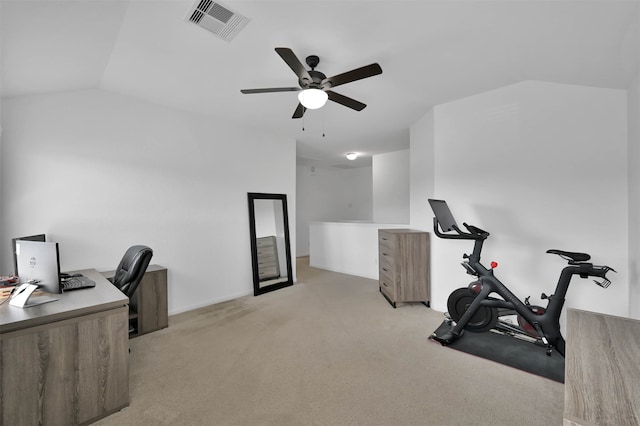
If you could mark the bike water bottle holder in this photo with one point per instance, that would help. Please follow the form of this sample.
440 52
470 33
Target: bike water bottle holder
604 284
605 281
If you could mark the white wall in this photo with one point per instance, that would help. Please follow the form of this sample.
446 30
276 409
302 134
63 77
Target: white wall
348 248
634 197
540 166
422 164
99 172
391 187
330 194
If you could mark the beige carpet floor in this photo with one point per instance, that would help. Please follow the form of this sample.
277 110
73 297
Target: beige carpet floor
329 350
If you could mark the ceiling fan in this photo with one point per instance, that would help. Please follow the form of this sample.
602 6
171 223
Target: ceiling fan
314 83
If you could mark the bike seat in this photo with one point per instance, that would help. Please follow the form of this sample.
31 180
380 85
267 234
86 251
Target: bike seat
570 255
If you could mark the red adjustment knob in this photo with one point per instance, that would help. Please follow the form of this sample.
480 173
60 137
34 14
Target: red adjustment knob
494 265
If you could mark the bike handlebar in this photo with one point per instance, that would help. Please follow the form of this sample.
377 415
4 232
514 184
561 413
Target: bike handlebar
474 233
475 230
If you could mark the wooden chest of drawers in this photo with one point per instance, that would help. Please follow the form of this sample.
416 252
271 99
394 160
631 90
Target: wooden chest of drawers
404 265
268 266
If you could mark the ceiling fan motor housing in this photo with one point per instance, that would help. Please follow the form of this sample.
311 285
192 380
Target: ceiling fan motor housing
316 79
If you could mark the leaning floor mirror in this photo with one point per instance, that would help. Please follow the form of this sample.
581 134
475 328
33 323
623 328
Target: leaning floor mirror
270 248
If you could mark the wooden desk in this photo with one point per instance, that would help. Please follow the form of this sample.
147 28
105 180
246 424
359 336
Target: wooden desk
149 305
602 374
65 362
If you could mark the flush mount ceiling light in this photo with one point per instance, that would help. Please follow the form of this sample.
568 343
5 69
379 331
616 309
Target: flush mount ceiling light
313 98
352 156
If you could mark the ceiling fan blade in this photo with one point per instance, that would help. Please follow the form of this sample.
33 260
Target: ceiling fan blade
353 75
346 101
299 112
294 63
270 90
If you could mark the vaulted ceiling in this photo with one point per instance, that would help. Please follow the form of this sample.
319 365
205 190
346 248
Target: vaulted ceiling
431 52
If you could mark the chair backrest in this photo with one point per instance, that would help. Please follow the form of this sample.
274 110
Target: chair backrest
131 269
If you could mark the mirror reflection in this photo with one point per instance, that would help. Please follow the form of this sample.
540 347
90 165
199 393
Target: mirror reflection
269 242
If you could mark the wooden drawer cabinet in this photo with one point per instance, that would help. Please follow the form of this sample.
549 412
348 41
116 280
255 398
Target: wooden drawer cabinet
268 266
404 265
150 301
149 304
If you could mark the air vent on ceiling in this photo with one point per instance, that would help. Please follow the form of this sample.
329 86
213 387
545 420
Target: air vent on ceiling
216 18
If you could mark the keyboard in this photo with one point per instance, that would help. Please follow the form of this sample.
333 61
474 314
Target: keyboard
76 283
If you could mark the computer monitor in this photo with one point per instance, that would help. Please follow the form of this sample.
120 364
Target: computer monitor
39 237
443 214
38 260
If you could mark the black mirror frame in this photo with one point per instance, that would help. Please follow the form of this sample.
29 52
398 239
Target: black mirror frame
252 196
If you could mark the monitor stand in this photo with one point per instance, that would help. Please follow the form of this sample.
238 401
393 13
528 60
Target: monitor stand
24 292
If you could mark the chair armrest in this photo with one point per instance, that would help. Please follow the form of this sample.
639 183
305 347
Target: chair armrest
109 275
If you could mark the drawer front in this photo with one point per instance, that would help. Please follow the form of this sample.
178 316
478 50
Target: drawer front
267 272
264 250
387 286
265 242
386 241
386 265
266 265
386 252
266 257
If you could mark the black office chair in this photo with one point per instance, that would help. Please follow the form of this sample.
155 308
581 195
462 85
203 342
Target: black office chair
128 275
131 269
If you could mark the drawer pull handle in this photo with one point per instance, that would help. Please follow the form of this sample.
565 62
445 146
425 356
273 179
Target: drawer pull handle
384 254
384 284
385 269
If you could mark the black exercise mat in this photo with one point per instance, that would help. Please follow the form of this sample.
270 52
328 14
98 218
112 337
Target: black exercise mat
509 351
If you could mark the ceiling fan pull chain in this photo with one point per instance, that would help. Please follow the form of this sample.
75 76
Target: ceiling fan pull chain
323 122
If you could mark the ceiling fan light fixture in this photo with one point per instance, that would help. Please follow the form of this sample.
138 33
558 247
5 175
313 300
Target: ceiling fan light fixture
352 156
313 98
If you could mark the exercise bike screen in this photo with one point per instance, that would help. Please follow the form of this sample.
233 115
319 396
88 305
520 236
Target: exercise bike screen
443 214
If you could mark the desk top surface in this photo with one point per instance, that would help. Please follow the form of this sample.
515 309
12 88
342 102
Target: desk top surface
69 305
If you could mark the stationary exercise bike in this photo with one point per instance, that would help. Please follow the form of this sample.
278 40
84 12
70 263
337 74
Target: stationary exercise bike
477 309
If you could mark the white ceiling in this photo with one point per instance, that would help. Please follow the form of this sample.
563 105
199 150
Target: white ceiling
431 52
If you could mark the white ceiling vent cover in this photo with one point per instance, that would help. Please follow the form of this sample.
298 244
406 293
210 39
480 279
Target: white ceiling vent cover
216 18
